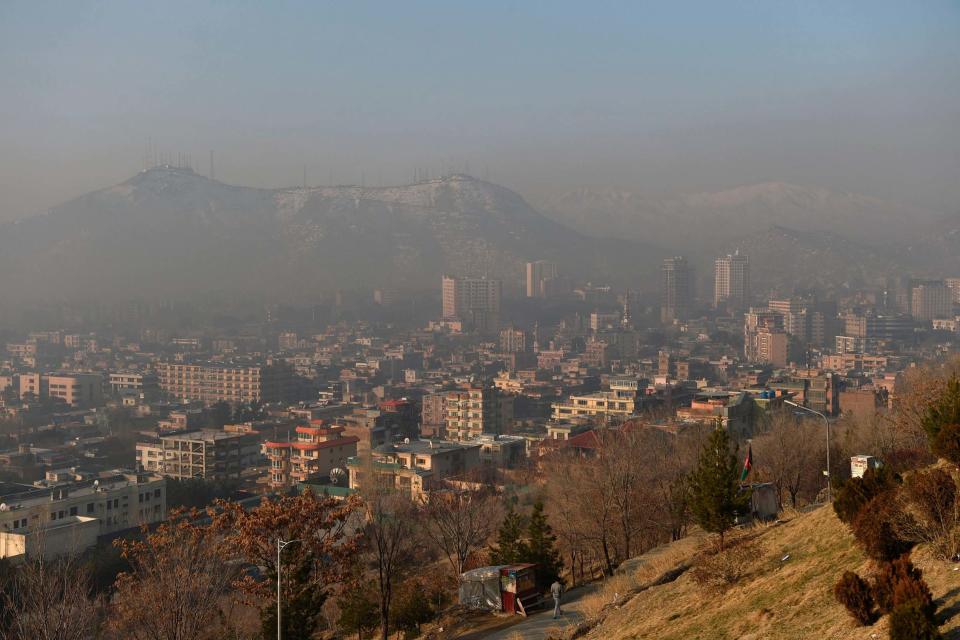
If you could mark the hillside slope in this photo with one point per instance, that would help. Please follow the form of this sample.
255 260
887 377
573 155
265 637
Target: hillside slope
780 599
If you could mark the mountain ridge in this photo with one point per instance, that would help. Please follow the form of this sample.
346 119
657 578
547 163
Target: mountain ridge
736 211
174 232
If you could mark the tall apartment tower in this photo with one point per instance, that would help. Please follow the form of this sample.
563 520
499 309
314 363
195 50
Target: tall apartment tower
731 281
676 289
473 301
931 300
540 276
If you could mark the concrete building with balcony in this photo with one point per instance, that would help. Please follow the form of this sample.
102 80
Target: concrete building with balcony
235 384
139 382
615 405
202 453
476 410
416 466
317 450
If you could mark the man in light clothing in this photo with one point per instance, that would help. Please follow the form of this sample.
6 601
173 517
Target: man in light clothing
556 590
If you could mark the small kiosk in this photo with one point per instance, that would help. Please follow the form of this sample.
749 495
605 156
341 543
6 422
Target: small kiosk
508 588
518 587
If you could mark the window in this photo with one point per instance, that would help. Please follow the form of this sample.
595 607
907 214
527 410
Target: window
89 507
156 493
141 498
73 511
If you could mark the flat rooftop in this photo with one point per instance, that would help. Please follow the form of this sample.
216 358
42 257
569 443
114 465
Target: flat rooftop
424 446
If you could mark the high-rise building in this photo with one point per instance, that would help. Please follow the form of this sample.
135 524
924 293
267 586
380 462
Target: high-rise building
796 317
930 300
473 301
731 281
675 288
540 277
954 285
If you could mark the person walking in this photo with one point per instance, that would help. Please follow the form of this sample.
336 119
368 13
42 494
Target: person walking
556 590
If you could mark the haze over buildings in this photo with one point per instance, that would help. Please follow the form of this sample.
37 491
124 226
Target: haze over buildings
410 286
542 98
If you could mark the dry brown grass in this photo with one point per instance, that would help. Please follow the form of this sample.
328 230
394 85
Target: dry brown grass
777 600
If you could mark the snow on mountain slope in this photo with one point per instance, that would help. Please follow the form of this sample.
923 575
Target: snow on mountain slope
173 232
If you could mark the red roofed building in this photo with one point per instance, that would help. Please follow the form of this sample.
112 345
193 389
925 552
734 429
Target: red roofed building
317 450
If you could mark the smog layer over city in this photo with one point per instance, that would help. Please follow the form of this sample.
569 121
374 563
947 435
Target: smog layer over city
482 320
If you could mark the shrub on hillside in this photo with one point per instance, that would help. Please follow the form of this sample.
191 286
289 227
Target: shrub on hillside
900 460
946 443
909 622
855 493
930 512
874 528
898 582
721 569
853 592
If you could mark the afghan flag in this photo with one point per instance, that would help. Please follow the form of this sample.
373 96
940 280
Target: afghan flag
747 464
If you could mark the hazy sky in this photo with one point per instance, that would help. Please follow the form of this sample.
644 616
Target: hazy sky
548 95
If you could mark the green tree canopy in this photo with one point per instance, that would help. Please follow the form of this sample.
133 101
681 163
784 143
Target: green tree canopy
541 547
715 494
510 547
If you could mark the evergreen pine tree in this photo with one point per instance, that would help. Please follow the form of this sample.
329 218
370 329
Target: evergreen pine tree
542 547
941 421
715 494
510 548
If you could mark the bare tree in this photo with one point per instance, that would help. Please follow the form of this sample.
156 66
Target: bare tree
460 522
52 599
789 454
390 539
582 507
179 576
914 391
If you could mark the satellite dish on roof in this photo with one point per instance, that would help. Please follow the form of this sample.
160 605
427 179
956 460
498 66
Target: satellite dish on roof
4 507
406 441
338 476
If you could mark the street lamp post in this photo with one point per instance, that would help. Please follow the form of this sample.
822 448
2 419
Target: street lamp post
281 545
826 422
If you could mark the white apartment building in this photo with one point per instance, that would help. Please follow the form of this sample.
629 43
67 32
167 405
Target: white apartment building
70 517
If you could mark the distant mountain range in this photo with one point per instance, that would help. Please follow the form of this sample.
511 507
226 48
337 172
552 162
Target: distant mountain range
732 213
795 235
172 233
